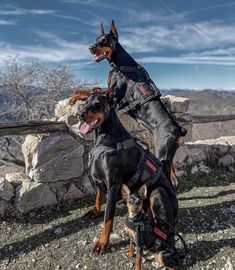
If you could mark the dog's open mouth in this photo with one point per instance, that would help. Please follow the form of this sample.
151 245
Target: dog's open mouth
98 58
86 128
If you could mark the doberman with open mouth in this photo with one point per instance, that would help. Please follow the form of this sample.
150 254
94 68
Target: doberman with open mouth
136 94
118 158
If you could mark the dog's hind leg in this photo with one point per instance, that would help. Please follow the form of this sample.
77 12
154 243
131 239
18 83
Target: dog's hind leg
164 210
165 149
161 205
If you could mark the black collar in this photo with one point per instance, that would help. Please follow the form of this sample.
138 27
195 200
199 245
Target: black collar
126 68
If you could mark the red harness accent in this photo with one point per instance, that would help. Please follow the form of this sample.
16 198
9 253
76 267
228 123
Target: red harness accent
160 233
143 89
151 166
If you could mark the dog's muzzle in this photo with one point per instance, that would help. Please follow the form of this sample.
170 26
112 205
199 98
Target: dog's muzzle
92 48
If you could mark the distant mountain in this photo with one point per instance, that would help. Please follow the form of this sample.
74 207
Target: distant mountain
207 102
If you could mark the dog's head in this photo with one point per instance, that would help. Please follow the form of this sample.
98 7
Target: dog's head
134 201
94 112
105 44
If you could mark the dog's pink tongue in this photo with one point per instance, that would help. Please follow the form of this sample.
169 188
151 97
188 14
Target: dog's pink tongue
85 128
95 57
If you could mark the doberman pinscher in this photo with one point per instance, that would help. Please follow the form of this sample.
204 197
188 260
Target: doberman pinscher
145 232
118 158
135 93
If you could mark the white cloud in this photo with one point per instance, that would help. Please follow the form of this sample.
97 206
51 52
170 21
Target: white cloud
59 51
15 11
182 36
7 22
214 57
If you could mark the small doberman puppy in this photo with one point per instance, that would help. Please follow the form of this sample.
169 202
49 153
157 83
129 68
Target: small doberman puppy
136 94
144 232
117 158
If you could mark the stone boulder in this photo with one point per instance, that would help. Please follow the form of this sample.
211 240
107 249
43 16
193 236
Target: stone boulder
4 206
31 195
226 160
6 190
54 157
214 151
176 104
16 178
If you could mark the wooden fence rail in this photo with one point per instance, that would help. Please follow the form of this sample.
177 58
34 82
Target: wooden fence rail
33 127
37 127
212 118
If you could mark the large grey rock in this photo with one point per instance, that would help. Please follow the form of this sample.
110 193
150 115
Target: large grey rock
208 151
29 149
16 178
3 207
226 160
176 104
31 195
203 168
73 193
194 169
6 190
55 157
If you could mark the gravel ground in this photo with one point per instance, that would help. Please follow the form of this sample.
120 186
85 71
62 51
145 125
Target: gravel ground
63 238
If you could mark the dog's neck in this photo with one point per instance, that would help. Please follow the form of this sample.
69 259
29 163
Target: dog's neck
137 217
120 57
112 130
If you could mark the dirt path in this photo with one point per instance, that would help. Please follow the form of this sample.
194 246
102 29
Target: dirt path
63 238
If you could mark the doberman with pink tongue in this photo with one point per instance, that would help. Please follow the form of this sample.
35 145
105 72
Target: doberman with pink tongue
117 158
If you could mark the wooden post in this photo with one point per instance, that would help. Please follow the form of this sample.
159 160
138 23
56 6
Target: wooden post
34 127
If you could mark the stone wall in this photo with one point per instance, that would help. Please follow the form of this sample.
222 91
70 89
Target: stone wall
56 164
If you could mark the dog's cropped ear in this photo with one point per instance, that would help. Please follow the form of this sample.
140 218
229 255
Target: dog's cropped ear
125 191
143 192
113 30
101 28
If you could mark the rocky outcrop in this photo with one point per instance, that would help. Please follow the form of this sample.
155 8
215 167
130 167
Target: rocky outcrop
220 151
54 157
31 195
6 190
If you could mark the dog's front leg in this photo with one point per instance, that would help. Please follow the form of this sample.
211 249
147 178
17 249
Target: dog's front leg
102 244
94 213
138 258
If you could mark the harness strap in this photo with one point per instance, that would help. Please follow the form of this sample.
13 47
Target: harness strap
126 68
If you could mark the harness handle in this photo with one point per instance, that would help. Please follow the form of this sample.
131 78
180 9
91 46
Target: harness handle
186 250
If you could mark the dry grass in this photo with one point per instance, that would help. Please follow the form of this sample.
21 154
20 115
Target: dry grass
63 239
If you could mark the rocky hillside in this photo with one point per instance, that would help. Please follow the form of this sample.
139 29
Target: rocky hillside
209 102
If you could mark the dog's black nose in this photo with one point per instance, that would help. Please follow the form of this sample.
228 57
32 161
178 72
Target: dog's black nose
92 49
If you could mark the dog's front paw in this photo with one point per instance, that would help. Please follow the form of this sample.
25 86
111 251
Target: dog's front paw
93 213
130 253
100 247
168 258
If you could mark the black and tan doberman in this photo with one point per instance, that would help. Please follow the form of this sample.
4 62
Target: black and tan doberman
118 158
136 94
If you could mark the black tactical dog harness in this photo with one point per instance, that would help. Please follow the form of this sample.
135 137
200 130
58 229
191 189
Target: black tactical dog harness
150 233
139 92
148 169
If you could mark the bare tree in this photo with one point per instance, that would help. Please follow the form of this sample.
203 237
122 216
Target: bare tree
29 92
34 89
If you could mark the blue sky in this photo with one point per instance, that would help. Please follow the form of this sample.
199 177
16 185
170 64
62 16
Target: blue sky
182 43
